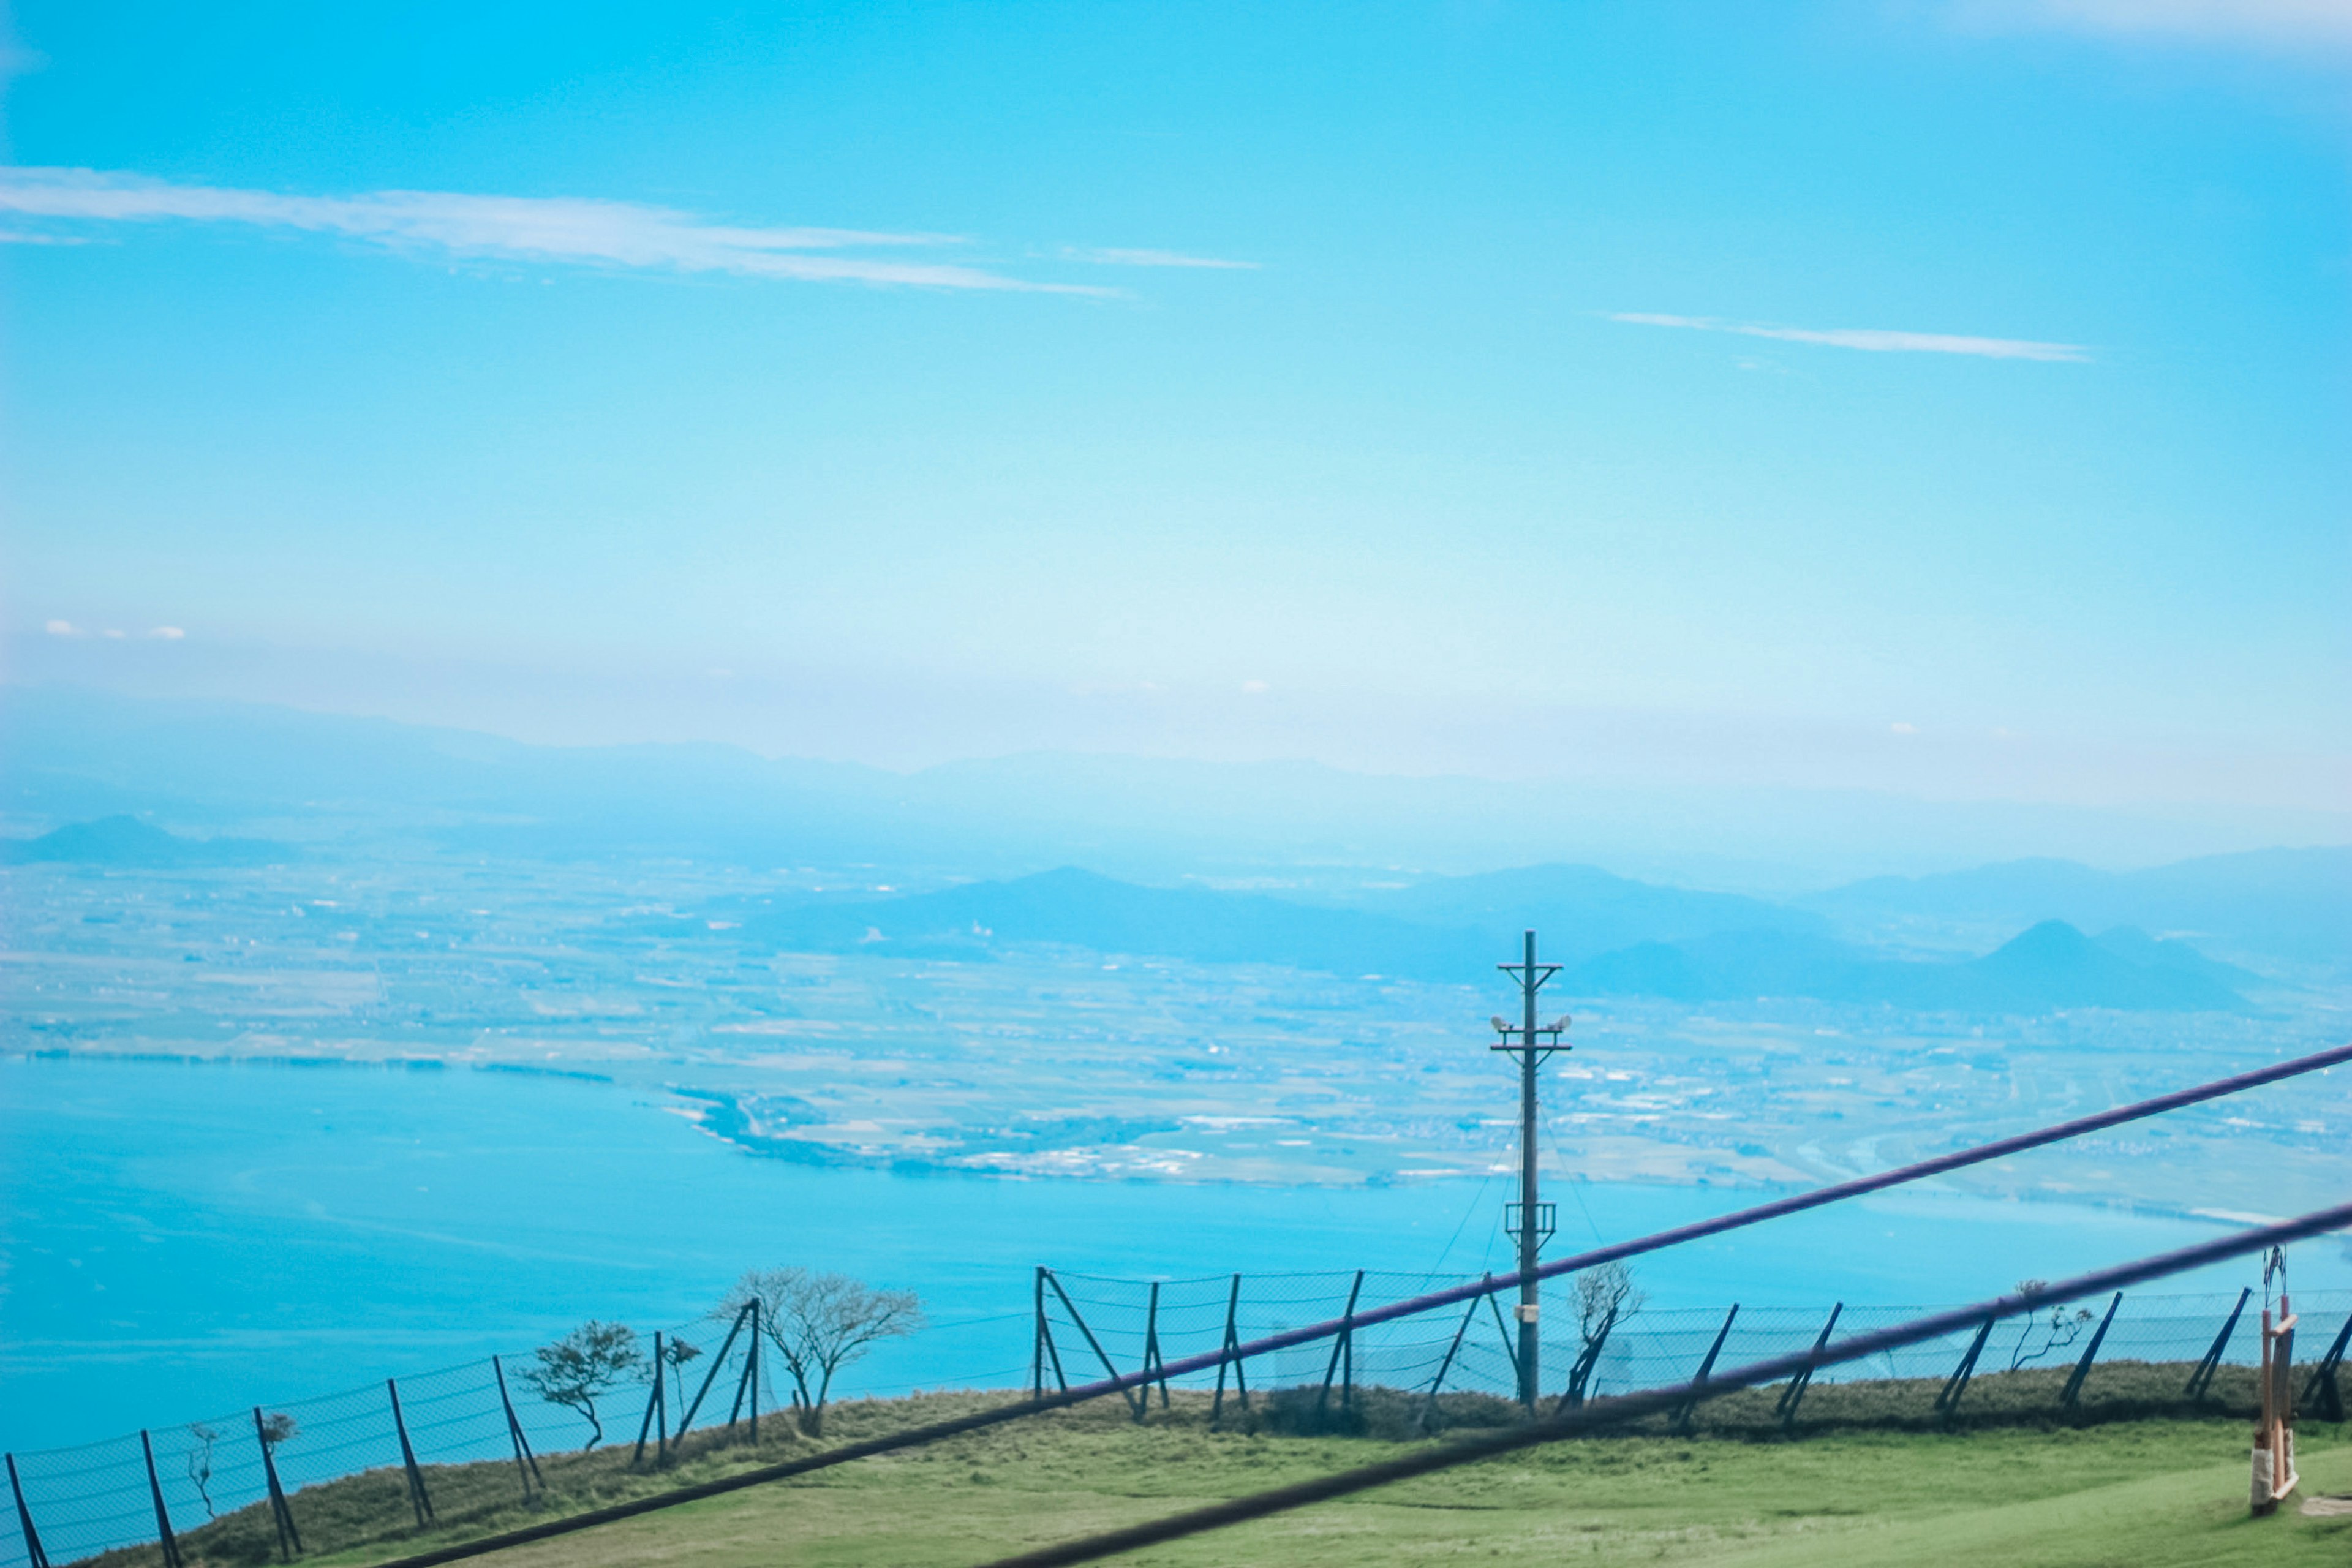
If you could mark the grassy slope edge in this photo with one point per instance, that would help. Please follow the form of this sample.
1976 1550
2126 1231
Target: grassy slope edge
2136 1478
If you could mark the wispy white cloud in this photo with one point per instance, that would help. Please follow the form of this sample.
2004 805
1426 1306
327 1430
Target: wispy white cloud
67 629
2272 22
1114 257
532 228
1869 340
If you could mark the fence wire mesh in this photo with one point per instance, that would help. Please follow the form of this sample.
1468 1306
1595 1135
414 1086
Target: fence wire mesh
1095 1324
485 1439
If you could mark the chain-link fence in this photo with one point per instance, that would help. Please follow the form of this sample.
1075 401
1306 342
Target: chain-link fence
248 1485
473 1448
1086 1326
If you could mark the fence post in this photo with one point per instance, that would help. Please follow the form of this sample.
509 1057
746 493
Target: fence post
1949 1400
1343 1349
758 1308
750 1369
418 1498
1510 1341
523 1456
661 1398
711 1376
652 1403
1682 1422
1429 1404
1137 1405
2330 1398
1152 1360
1232 1344
162 1515
1037 1336
1794 1394
2090 1353
34 1556
2202 1378
279 1512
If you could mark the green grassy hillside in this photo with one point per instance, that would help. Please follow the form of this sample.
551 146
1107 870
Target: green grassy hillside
1869 1479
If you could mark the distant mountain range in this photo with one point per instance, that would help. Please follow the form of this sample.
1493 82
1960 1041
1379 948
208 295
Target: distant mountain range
2294 903
71 754
1078 908
1329 844
1678 946
127 842
2051 966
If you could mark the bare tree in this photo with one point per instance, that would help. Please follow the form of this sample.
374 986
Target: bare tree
1605 1297
277 1429
2058 1331
584 1365
819 1323
200 1463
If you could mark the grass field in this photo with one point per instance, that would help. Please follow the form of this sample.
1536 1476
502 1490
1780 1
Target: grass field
1857 1487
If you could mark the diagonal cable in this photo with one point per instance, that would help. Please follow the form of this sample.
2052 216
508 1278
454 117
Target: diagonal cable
1209 1361
1618 1408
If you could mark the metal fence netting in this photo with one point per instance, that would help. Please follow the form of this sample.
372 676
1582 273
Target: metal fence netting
469 1449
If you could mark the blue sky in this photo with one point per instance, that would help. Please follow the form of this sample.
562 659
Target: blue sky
1947 397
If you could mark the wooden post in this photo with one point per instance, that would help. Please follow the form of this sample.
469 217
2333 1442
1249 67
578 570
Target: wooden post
1232 1347
34 1556
523 1456
2274 1475
2083 1368
162 1515
279 1512
418 1499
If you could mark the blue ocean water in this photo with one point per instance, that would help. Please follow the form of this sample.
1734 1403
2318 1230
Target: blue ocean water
183 1240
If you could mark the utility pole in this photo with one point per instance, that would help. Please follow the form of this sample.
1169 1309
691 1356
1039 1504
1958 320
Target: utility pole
1529 1221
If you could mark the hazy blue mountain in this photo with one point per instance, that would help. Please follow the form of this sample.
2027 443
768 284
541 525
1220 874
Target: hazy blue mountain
69 755
2176 954
1080 908
2051 965
128 842
1577 912
2292 903
332 781
2055 966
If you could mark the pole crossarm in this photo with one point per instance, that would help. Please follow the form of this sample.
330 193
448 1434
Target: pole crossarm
1619 1408
1210 1360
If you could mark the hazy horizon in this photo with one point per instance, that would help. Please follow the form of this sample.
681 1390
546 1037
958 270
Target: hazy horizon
898 652
1938 399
